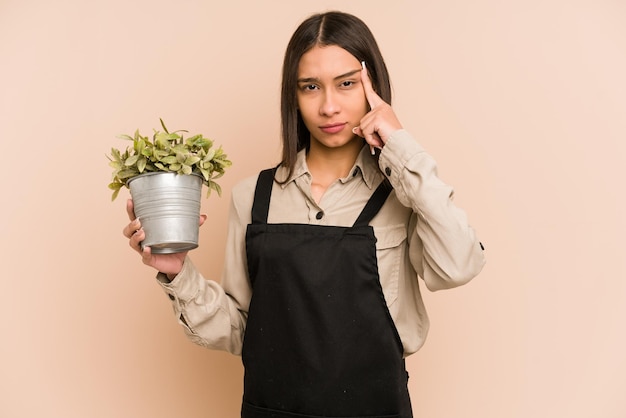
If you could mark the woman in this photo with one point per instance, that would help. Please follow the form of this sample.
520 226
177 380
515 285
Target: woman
320 290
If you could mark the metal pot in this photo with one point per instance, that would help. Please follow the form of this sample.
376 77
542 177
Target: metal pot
168 205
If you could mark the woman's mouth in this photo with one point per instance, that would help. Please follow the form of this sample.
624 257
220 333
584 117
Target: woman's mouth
333 128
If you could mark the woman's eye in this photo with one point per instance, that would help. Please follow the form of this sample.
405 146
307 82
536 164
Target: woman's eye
309 87
347 83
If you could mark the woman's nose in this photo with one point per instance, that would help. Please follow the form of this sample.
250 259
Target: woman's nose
329 105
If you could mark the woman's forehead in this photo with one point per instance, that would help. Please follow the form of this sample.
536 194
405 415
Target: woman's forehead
326 61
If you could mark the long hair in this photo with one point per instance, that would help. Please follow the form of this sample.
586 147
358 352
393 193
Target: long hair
324 29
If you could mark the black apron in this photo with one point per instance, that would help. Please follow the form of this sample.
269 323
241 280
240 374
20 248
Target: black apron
319 341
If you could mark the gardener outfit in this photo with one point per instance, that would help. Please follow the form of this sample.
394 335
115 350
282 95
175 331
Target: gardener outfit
324 308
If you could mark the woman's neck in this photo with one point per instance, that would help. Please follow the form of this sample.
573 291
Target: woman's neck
326 165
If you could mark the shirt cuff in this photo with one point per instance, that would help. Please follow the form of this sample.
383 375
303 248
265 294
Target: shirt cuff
184 286
399 149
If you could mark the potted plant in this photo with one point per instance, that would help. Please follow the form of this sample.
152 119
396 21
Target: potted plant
165 175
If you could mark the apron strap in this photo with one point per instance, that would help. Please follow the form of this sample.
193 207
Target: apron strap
262 194
374 204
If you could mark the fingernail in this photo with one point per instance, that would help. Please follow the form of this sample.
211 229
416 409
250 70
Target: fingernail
372 150
354 130
363 64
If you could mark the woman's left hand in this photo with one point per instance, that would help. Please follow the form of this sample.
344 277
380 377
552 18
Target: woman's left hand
380 122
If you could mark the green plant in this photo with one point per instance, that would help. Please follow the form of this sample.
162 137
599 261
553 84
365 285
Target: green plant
168 152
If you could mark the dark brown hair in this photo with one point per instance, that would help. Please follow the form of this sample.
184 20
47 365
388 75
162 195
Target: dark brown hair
324 29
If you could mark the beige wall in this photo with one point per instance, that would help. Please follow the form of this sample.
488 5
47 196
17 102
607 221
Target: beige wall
521 102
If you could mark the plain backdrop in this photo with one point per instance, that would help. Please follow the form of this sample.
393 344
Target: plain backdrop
521 102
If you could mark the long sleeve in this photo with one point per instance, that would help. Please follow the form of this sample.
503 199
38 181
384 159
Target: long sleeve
443 249
214 315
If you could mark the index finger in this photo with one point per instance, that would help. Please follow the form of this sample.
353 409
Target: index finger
130 209
372 97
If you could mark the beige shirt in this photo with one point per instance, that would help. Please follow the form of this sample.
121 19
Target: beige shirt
419 231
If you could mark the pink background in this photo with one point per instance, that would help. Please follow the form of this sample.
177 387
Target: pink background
522 103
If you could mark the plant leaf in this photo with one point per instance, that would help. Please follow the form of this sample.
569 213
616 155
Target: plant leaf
115 186
126 174
115 164
209 155
213 185
191 160
141 164
169 160
163 126
132 160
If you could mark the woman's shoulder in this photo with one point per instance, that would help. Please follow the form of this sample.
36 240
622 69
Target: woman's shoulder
244 189
246 186
242 196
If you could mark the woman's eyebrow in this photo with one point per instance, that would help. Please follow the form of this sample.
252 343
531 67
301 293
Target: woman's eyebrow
315 79
348 74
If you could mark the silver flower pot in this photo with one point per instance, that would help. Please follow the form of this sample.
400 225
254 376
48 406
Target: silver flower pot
168 205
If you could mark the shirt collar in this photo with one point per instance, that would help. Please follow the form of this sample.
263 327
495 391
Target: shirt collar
366 165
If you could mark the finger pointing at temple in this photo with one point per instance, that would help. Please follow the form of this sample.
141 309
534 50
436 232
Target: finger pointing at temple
381 121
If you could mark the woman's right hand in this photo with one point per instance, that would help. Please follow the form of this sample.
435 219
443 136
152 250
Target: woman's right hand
170 264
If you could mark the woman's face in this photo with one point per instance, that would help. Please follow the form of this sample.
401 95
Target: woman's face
330 95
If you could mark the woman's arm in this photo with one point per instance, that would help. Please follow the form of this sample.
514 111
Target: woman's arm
214 315
443 248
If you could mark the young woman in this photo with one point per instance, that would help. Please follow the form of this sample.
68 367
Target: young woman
320 289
